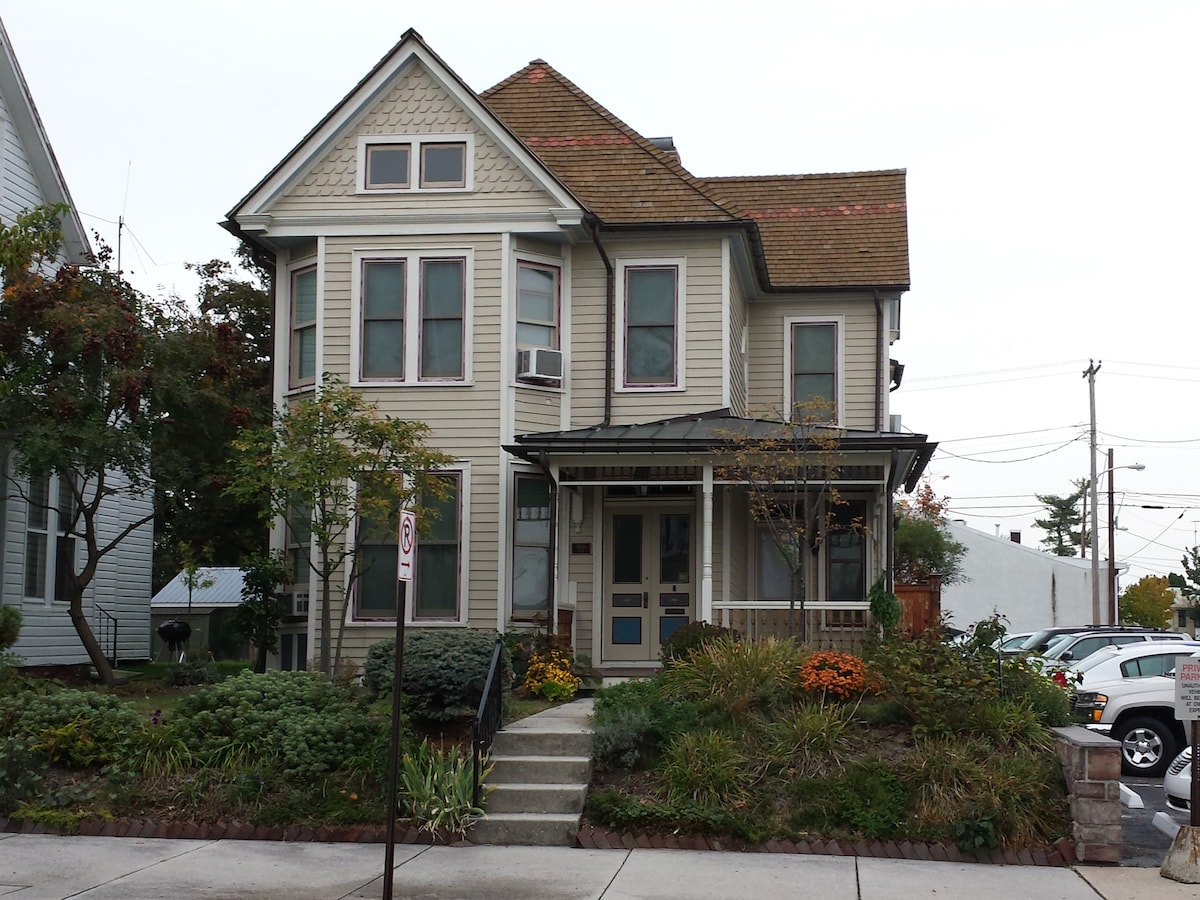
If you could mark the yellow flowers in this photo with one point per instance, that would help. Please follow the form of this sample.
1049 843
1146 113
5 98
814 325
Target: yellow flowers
551 674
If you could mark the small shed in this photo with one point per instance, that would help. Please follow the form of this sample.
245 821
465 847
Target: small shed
215 592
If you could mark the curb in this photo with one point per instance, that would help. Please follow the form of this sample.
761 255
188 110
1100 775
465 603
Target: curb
1060 853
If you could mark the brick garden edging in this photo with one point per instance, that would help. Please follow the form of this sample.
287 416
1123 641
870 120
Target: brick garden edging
1061 853
231 830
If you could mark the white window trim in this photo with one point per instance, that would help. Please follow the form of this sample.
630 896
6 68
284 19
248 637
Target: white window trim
839 323
559 265
296 383
412 314
414 161
462 468
680 264
52 532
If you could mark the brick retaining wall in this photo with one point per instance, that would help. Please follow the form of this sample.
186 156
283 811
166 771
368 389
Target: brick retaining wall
1092 767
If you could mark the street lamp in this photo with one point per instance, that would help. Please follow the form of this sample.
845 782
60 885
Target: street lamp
1112 563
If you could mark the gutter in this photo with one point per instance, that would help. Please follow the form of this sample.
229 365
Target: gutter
878 362
610 313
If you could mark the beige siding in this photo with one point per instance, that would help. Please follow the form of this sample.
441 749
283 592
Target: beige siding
537 411
415 105
702 333
767 353
737 358
582 569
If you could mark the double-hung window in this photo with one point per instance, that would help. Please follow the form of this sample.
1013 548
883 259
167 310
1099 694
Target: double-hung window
50 513
436 593
813 378
537 306
412 319
651 327
403 163
37 527
531 547
303 353
846 548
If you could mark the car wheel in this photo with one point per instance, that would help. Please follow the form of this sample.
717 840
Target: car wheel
1147 747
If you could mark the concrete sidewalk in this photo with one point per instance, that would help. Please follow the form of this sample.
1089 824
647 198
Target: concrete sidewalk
46 867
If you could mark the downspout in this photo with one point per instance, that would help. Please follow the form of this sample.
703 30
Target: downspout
610 315
551 580
890 527
879 354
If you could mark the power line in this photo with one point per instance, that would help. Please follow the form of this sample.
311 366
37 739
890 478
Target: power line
1005 461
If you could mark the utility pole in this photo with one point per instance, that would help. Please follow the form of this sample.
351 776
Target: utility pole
1112 544
1090 374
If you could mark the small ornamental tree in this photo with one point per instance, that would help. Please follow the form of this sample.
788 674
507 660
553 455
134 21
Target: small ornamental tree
790 475
921 545
77 361
1148 601
308 466
258 616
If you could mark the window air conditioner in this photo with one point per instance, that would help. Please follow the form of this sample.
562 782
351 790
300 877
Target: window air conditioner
540 364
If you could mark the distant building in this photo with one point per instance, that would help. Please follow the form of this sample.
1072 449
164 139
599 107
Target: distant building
216 593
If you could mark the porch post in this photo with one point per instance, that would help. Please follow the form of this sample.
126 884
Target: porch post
706 546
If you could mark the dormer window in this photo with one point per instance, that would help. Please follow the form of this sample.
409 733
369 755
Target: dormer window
415 163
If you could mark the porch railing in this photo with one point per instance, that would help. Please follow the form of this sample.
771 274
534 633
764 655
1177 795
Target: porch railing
830 626
106 633
487 721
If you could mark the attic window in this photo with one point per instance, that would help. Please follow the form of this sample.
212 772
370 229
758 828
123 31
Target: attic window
394 163
387 166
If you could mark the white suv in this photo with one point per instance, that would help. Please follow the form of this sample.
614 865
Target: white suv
1073 648
1126 693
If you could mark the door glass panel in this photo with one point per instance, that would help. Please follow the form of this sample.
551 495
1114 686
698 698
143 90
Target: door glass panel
675 548
669 623
627 549
627 629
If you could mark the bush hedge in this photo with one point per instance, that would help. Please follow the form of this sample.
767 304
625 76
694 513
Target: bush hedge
444 670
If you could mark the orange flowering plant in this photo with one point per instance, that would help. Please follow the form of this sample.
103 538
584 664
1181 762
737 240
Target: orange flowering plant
841 675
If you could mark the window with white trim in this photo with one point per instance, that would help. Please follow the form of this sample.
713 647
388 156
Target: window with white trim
303 316
531 546
650 331
414 163
50 513
37 536
537 306
812 368
436 591
400 289
846 551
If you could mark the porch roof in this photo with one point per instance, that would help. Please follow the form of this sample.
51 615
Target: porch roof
703 432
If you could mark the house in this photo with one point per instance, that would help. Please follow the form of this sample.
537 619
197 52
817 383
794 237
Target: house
584 324
1031 588
206 606
36 549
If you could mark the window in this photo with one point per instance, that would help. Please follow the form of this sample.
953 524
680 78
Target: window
537 306
400 289
383 319
813 367
299 540
531 547
436 589
774 573
847 552
50 510
414 163
388 166
443 165
651 330
1143 666
304 328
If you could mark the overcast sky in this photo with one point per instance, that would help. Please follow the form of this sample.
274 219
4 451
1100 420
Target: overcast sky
1053 192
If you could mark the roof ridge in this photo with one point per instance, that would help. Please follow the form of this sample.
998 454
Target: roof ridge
667 160
858 174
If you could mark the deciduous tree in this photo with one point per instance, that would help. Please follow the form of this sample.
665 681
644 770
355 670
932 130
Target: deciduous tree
922 546
1148 602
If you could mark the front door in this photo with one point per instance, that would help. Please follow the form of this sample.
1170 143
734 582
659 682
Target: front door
649 587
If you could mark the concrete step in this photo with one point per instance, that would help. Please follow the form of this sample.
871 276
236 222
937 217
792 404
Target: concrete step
536 798
536 769
542 742
531 829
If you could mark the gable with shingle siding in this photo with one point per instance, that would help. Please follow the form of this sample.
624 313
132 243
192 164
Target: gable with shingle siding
415 105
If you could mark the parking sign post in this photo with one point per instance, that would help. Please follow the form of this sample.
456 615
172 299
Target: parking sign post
405 559
1187 709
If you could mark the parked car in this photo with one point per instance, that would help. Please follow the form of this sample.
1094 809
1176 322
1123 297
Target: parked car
1136 709
1011 643
1040 640
1177 783
1071 648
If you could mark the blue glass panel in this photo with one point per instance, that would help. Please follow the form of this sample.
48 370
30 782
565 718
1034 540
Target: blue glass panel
627 630
668 624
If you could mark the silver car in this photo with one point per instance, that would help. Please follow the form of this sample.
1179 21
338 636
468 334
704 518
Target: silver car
1178 781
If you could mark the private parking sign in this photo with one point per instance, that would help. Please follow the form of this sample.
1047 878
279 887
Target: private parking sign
1187 688
408 545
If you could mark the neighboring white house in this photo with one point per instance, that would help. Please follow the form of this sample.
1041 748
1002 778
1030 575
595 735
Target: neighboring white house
35 551
1031 588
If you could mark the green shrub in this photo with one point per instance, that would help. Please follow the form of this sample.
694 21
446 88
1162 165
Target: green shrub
444 670
611 808
298 723
873 801
810 739
707 768
437 787
686 639
70 728
192 671
736 678
10 626
22 770
632 720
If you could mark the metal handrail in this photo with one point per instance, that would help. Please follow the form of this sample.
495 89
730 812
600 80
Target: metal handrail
107 626
487 721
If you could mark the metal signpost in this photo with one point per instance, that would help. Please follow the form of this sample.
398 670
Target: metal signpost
1187 709
406 555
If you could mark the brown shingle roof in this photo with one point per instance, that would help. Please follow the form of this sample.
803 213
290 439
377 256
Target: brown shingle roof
614 171
838 230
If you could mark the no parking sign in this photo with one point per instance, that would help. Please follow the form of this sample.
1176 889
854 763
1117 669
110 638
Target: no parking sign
408 545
